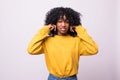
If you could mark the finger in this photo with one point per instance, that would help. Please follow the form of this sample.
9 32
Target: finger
71 29
51 27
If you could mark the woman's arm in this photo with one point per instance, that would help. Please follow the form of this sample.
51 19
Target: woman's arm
87 45
36 44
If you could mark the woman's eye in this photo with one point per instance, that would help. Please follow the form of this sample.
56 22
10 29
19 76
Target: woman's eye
59 21
67 21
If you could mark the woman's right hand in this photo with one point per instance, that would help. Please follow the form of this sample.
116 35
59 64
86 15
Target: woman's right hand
52 27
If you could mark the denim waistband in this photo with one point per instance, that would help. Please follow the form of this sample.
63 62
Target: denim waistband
52 77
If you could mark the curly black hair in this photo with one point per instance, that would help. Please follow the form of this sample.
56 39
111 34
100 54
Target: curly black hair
55 14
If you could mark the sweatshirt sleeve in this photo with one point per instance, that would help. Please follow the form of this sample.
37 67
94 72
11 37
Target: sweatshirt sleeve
36 44
87 45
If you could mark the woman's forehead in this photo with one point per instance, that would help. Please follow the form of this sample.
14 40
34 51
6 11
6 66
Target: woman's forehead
63 17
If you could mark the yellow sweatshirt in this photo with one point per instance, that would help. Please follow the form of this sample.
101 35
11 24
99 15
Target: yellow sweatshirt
62 52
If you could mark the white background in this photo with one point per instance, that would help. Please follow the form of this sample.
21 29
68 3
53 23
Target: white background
21 19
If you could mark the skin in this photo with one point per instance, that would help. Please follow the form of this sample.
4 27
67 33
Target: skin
62 27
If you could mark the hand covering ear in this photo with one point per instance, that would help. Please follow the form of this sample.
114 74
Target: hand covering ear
52 27
72 28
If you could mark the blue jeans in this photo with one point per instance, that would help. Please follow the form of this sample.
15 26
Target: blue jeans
52 77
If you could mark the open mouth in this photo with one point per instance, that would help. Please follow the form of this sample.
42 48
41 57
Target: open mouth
63 29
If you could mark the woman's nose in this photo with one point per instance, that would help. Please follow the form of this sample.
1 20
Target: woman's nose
63 23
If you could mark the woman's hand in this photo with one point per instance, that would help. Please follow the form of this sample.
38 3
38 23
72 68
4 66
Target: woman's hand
52 27
72 28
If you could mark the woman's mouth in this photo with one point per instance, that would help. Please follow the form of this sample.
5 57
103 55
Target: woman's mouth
63 29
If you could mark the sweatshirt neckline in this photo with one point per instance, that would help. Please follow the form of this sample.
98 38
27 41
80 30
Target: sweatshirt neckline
62 36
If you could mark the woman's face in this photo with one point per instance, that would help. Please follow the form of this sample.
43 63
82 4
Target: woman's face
62 26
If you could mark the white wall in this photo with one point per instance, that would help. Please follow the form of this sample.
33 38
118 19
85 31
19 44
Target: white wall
20 20
118 40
